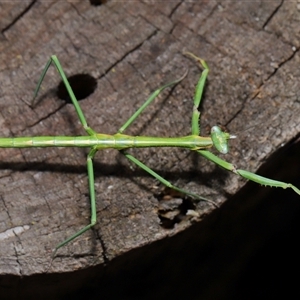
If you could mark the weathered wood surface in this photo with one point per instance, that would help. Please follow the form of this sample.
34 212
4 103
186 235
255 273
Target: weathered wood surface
253 53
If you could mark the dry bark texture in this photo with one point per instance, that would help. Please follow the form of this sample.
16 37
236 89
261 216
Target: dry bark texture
132 48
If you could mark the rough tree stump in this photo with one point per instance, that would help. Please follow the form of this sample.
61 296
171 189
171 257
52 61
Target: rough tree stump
252 49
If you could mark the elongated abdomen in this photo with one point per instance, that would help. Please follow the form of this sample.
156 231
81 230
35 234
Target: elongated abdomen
103 141
48 141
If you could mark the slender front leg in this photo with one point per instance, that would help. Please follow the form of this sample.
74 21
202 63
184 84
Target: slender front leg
164 181
63 76
90 170
198 94
246 174
148 101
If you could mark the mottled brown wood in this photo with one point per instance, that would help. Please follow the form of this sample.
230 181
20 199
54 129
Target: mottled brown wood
132 49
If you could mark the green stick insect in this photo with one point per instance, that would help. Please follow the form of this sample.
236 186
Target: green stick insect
121 142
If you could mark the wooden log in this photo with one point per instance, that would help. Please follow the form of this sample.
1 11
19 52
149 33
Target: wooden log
252 51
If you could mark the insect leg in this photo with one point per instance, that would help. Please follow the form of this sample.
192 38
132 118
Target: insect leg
53 59
93 202
246 174
162 180
148 101
198 94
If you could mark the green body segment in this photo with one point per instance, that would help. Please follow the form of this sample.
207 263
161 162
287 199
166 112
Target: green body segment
104 141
